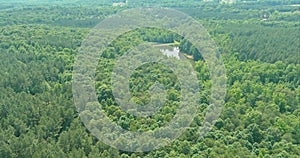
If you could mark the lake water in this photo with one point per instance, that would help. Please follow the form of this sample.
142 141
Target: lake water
171 52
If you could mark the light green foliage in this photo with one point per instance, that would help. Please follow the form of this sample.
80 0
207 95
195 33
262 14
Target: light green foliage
260 118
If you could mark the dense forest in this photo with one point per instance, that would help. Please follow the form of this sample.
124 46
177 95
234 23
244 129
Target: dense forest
259 42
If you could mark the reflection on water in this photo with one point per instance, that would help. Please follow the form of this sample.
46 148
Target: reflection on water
171 52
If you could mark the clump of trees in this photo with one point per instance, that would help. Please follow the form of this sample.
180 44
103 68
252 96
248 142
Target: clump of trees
38 117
